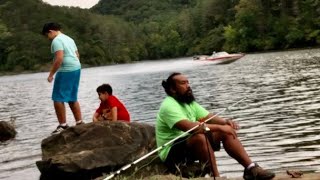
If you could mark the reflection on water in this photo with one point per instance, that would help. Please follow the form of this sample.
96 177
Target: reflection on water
279 119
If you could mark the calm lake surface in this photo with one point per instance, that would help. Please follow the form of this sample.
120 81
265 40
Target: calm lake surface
279 119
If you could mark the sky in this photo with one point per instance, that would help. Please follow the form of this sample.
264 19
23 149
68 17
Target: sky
77 3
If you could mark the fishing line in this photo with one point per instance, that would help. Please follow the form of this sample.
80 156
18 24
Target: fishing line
171 141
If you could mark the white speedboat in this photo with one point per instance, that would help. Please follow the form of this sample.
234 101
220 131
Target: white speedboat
220 57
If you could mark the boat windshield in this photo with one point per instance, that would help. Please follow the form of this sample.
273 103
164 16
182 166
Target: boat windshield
218 54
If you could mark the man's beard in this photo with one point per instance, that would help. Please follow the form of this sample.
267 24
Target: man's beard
187 97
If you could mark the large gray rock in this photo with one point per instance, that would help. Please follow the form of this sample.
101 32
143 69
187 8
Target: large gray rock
95 149
86 151
7 131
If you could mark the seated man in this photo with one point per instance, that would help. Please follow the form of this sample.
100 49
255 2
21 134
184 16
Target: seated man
179 112
111 108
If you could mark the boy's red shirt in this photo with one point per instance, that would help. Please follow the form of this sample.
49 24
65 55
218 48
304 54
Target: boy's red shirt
113 101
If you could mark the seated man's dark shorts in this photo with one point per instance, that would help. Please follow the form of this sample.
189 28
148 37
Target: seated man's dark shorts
180 154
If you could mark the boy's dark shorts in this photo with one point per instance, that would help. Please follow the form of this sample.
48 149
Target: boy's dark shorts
180 154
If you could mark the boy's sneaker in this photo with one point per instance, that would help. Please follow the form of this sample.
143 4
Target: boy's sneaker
257 173
80 123
60 129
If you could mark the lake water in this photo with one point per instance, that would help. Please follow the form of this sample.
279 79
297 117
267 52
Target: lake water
279 118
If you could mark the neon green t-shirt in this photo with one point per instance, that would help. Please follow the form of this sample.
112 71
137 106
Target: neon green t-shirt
169 114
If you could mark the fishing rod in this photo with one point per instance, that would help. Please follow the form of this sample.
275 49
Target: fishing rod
171 141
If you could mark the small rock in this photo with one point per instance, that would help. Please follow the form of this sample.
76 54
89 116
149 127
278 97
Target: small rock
7 131
294 174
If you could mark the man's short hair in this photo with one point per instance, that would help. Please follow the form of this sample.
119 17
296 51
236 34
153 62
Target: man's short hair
170 83
105 88
50 26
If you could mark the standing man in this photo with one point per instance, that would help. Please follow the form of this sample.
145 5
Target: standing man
178 113
66 65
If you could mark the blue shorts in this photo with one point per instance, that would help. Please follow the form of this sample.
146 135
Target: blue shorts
65 87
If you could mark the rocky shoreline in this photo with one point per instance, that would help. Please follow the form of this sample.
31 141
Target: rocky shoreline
95 150
279 176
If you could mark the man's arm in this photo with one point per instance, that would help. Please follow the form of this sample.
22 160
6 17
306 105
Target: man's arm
185 125
214 120
56 64
95 117
78 55
220 121
114 113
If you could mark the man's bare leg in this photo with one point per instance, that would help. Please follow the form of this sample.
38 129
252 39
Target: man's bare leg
60 111
75 108
234 148
203 150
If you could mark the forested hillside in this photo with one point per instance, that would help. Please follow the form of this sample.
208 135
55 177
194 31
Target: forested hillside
100 39
233 25
119 31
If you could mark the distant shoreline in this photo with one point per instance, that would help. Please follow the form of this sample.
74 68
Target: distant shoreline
9 73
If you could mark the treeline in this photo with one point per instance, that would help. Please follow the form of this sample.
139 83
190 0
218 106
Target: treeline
120 31
100 39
